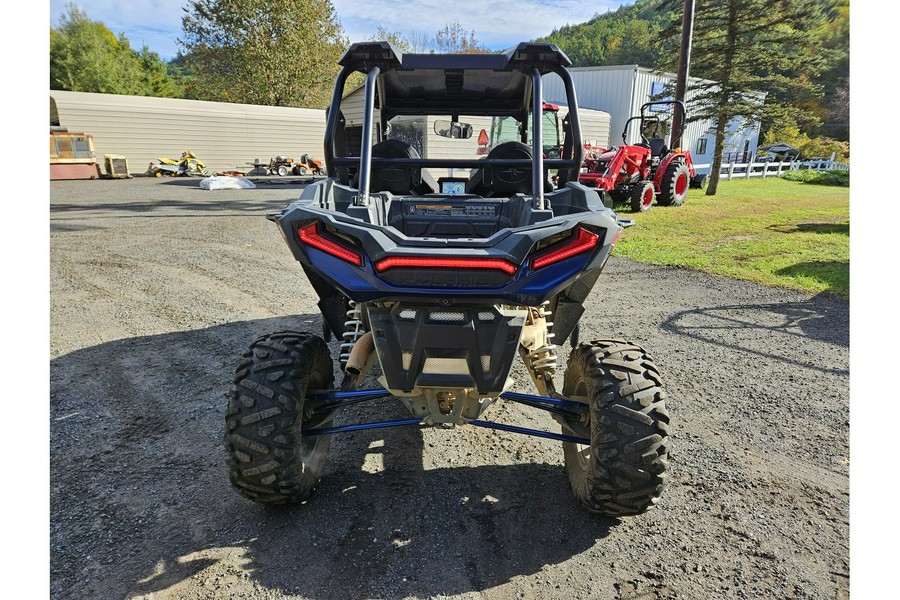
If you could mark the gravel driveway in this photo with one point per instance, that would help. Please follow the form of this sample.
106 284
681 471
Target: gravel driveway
157 287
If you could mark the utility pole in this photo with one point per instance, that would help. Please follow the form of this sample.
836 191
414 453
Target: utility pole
684 61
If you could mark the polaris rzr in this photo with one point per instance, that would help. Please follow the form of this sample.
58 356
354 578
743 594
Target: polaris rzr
443 263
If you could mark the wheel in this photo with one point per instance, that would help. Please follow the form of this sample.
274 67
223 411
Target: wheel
302 171
282 171
642 195
624 470
675 181
321 172
269 460
699 182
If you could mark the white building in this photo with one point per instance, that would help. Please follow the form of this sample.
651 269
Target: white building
622 90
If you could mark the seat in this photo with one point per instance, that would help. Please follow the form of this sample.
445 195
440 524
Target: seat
658 147
507 181
396 179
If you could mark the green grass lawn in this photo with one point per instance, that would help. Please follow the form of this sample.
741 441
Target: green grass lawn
771 231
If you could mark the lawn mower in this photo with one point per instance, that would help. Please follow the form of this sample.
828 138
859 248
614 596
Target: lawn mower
647 171
437 270
308 165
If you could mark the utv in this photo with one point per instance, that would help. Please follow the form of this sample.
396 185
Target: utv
442 261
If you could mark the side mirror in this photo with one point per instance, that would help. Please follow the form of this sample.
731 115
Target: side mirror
453 130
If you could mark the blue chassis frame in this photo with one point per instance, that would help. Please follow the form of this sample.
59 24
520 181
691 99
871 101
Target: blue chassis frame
337 399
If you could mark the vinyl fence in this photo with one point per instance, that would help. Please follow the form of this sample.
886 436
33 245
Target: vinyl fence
735 170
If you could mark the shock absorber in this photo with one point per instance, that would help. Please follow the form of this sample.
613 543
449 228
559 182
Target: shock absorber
353 330
544 358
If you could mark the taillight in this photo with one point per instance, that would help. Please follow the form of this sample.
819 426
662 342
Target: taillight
310 236
583 241
428 262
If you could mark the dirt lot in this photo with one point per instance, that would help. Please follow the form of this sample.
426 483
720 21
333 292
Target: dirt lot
157 287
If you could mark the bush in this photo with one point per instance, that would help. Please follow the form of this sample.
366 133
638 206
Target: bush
838 178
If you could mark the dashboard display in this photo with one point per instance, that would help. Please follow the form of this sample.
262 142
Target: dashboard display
453 188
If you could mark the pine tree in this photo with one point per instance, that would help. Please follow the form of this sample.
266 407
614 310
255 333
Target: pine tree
749 46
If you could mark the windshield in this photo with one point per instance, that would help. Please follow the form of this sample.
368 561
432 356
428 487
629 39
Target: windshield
430 136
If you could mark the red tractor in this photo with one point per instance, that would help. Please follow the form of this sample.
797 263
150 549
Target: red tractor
646 171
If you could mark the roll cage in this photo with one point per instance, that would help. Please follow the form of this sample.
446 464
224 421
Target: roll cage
506 84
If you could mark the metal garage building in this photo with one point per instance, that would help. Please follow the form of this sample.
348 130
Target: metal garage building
621 90
225 136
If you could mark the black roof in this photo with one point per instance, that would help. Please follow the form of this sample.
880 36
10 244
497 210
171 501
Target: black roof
471 84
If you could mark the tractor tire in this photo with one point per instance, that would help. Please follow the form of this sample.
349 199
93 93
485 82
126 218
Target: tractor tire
642 196
624 470
282 171
321 172
302 171
269 460
675 183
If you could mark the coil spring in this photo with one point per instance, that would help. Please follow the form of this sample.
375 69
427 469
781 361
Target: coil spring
353 327
544 360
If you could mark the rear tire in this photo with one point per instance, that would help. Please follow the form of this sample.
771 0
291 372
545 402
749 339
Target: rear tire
624 470
269 461
642 196
282 171
675 183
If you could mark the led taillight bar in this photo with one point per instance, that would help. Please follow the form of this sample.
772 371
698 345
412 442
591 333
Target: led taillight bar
310 236
428 262
584 241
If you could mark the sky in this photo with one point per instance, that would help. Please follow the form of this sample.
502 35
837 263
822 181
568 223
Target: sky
497 24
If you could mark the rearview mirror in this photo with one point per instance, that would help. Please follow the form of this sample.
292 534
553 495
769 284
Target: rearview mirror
452 129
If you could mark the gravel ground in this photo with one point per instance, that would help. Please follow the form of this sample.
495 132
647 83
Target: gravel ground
157 287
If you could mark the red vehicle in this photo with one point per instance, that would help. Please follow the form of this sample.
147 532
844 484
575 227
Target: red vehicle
643 172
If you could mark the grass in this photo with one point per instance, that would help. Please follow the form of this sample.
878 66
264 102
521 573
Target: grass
770 231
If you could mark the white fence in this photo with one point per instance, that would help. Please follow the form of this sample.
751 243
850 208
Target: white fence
773 169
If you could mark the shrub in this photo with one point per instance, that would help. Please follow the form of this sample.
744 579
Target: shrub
838 178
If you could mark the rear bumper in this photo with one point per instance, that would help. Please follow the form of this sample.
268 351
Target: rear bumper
436 346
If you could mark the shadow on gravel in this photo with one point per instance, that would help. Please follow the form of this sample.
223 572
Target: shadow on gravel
169 208
140 498
281 182
822 318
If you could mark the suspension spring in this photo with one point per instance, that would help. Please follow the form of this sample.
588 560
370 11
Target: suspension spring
353 330
544 359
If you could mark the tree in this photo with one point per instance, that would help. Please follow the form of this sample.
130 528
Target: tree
85 56
629 35
835 35
748 46
453 39
396 39
262 52
155 74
